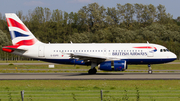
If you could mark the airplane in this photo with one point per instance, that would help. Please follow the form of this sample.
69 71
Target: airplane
107 56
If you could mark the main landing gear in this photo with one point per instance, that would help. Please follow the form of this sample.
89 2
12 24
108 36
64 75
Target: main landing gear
149 69
93 69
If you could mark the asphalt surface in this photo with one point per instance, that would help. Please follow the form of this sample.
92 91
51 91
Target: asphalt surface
86 76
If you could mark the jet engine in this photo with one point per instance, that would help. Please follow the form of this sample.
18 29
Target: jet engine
118 65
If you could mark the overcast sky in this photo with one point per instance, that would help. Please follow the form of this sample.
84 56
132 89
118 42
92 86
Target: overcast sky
11 6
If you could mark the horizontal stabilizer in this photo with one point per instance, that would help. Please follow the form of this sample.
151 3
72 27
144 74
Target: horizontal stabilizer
12 48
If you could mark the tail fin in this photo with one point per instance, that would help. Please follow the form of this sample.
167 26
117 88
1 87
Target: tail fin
20 34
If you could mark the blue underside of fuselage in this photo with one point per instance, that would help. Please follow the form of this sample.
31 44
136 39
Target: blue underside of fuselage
129 61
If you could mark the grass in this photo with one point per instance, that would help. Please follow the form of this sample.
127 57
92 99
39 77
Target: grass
176 61
57 85
80 90
155 67
24 61
11 66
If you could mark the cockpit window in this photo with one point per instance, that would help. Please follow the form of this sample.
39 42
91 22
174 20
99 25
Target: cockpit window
164 50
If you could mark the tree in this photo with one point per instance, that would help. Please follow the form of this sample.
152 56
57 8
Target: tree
162 16
112 16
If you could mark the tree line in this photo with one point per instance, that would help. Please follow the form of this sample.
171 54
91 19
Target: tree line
129 23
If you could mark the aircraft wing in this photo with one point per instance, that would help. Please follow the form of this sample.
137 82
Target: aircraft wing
94 58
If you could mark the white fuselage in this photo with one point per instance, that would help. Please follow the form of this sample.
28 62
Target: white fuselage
112 51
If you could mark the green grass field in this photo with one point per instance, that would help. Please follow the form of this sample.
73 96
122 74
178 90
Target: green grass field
89 90
30 61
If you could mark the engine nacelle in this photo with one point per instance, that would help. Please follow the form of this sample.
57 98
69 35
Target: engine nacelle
119 65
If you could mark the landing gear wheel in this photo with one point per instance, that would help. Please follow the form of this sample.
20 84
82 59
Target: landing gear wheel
92 71
149 71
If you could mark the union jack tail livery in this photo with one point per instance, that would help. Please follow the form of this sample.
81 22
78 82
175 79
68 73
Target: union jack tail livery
20 34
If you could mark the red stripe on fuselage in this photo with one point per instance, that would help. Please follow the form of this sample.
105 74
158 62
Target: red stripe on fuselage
14 23
145 47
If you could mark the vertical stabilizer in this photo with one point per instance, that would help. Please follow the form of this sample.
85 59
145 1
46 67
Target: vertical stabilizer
20 34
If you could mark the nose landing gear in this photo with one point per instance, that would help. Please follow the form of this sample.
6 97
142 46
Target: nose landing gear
149 69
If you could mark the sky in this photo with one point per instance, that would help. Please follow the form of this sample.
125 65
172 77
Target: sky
12 6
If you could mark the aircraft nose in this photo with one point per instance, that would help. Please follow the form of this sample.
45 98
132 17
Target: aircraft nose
173 56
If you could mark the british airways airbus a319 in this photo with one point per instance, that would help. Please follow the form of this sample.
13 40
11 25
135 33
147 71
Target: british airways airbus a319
107 56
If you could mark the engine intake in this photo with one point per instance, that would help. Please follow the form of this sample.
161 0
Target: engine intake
119 65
